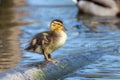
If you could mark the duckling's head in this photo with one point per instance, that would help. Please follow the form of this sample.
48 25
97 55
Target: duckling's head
57 25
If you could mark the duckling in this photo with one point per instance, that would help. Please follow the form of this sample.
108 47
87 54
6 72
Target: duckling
99 7
47 42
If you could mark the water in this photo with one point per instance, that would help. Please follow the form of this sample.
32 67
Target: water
107 68
33 16
9 49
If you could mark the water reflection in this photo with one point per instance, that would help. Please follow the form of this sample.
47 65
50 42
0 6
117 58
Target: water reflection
90 20
12 3
93 23
10 21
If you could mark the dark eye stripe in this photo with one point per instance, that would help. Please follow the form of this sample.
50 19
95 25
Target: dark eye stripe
59 24
56 23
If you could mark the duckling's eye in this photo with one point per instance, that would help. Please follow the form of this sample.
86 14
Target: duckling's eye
59 24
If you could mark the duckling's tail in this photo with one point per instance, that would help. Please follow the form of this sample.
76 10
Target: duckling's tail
118 15
28 48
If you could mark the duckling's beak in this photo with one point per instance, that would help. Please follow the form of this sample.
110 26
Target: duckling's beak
65 29
61 28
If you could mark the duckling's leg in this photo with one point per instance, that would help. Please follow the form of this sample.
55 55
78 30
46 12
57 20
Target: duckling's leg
48 57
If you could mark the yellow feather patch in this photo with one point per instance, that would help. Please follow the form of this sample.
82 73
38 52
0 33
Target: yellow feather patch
34 41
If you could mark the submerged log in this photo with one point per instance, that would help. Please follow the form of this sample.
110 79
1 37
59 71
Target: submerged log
50 71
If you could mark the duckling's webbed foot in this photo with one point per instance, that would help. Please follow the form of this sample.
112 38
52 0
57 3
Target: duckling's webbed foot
49 59
52 60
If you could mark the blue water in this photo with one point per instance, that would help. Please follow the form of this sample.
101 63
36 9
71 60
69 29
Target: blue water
80 39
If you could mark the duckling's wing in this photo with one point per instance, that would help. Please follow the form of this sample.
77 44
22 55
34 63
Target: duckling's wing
39 42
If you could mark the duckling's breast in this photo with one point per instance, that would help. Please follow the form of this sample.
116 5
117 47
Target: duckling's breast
60 39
